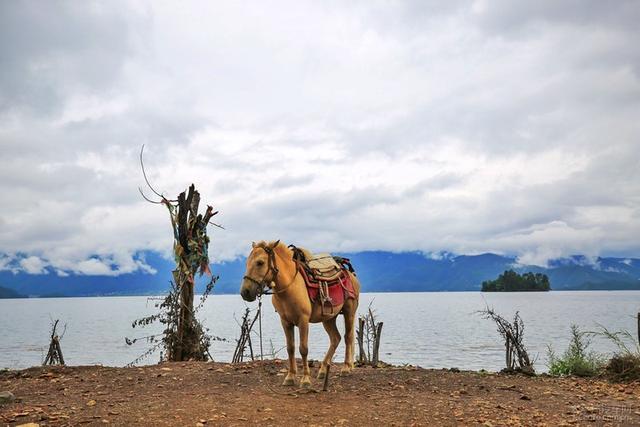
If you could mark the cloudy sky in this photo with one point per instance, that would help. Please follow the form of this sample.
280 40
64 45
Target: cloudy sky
511 127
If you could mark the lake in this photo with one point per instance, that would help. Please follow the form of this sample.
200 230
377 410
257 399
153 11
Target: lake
429 329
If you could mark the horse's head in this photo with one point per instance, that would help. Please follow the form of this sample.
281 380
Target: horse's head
261 271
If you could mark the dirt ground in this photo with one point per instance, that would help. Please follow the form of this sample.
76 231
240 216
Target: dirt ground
205 394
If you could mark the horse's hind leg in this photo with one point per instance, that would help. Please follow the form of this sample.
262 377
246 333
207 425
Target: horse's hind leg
334 340
349 310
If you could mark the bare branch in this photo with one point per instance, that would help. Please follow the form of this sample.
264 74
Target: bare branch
148 199
145 174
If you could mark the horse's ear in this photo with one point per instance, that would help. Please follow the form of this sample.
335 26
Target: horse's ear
276 243
253 245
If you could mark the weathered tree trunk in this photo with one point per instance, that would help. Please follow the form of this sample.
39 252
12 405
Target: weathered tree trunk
184 336
190 247
184 322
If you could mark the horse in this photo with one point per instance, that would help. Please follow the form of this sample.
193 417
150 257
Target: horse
270 266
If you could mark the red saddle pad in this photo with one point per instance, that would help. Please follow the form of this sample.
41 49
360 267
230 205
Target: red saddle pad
339 289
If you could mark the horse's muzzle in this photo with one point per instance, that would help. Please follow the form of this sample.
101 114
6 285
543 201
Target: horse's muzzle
246 295
248 291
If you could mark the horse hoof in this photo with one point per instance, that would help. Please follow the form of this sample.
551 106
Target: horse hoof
288 382
345 371
322 374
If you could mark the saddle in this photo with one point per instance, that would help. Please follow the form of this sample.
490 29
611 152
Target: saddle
327 278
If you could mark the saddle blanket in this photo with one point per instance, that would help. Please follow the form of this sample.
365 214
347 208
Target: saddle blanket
339 289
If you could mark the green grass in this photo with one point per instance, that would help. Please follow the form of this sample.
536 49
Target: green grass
576 359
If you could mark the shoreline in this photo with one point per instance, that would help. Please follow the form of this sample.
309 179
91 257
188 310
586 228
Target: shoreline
212 393
374 292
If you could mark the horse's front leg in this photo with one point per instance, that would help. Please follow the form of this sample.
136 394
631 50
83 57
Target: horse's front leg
304 351
290 379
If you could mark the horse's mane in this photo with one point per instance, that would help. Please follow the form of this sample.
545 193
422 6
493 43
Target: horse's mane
264 243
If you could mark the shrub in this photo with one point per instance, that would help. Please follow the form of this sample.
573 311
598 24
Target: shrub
623 368
576 360
625 363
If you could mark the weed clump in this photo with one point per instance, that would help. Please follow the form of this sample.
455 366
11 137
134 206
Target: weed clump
576 359
624 366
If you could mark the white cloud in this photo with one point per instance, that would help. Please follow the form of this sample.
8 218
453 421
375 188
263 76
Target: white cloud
404 126
439 256
6 264
33 265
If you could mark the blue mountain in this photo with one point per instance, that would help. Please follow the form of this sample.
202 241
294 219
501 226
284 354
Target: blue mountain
379 271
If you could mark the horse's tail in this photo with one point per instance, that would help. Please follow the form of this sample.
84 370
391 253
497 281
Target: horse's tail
355 282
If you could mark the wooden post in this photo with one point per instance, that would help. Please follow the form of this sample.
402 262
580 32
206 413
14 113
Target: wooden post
325 385
250 347
376 345
59 350
507 354
360 333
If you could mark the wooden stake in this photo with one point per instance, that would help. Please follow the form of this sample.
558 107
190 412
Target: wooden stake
54 355
59 350
325 385
360 335
376 345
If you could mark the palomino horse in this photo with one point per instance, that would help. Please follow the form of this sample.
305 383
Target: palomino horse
271 266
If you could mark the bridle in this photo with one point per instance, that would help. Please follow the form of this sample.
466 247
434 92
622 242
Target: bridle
267 286
264 285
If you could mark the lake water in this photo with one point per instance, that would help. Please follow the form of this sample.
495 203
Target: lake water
432 330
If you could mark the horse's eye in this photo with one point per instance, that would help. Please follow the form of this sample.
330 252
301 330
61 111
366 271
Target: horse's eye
260 263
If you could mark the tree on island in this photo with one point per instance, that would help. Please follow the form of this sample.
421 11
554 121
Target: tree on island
510 281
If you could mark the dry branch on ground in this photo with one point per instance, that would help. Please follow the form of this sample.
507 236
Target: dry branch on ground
54 355
516 357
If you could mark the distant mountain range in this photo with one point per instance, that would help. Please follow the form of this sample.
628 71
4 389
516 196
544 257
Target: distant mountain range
379 271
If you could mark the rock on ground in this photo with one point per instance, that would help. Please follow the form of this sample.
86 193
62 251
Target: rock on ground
6 397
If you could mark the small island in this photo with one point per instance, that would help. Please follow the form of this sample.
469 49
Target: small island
510 281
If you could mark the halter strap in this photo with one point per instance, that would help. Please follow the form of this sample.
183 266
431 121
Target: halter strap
264 285
277 291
